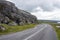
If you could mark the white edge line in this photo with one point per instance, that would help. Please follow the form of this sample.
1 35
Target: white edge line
34 34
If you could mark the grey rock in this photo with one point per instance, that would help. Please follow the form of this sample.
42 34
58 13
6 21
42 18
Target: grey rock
12 24
58 27
2 28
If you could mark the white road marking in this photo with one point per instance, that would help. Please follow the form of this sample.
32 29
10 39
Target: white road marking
14 34
35 33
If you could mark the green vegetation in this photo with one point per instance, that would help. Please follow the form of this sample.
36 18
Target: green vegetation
12 29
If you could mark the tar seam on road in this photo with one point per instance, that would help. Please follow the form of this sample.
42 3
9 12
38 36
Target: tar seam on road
34 33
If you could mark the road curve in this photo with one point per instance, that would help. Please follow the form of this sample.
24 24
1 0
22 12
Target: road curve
40 32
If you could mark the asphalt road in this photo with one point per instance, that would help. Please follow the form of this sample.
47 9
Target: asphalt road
40 32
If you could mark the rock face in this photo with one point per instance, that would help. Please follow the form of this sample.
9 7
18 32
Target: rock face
10 13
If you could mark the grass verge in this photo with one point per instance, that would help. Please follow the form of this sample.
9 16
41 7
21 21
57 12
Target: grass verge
12 29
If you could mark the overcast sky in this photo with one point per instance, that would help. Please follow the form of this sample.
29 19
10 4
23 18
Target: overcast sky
42 9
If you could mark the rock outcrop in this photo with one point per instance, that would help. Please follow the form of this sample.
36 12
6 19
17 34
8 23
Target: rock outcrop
10 13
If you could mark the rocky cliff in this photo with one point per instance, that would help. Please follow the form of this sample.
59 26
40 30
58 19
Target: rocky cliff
10 14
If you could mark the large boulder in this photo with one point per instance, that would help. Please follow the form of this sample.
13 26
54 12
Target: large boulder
2 28
12 24
58 27
8 11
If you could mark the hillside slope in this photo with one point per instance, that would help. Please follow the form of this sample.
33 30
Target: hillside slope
10 14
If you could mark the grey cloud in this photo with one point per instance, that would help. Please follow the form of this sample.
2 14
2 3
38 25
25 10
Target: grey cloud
46 7
26 4
29 5
57 5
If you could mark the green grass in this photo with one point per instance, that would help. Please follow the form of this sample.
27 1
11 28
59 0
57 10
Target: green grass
12 29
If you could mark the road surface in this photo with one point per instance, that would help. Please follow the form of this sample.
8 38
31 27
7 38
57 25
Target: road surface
40 32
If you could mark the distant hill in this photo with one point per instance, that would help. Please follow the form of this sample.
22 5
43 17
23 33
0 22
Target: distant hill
55 21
